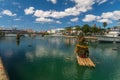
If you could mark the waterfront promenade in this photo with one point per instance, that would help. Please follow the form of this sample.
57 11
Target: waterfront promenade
3 75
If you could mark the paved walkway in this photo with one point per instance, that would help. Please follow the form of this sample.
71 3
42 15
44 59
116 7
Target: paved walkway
3 75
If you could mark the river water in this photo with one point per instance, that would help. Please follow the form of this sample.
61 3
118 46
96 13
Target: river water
53 58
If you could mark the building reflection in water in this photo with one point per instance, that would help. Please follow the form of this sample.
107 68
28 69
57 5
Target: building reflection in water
70 41
18 39
18 42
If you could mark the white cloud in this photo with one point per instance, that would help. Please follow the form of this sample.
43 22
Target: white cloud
105 17
17 19
0 16
44 20
90 18
101 1
29 10
105 20
58 22
41 13
74 19
81 6
55 14
53 1
116 15
8 13
72 11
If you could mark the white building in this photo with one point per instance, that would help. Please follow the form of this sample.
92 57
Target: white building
53 31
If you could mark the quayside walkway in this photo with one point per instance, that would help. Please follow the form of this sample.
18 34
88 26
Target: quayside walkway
3 75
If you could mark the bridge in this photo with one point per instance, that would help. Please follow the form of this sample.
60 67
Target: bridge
21 32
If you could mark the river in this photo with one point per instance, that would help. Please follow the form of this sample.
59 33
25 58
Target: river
53 58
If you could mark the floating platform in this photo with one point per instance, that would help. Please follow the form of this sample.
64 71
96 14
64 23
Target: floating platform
85 62
3 75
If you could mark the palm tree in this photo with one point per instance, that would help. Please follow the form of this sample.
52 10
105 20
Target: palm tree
104 24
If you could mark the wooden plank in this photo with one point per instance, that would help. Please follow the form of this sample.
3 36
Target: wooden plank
80 62
91 62
85 62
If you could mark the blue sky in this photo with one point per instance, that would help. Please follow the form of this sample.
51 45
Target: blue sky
47 14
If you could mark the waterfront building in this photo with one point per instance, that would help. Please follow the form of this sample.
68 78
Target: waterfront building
55 31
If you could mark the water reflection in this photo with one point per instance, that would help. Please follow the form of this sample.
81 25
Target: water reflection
45 52
59 40
52 47
47 57
105 50
70 41
29 56
9 54
18 42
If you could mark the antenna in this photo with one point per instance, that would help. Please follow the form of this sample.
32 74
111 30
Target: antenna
118 24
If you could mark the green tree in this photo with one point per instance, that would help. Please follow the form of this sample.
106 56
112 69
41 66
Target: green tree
86 28
68 29
77 28
94 30
2 33
104 24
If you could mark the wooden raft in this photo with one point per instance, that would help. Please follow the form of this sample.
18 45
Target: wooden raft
85 62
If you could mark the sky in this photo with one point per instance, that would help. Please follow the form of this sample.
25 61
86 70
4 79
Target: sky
41 15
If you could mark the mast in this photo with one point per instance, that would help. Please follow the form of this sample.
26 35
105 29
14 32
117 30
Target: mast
118 24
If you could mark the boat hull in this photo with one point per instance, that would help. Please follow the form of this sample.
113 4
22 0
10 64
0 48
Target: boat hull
108 39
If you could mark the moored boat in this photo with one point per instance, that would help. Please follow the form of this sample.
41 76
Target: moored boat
111 36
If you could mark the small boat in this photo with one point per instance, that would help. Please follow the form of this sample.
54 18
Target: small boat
111 36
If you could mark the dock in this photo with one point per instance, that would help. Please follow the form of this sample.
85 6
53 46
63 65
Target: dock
85 62
3 75
66 36
91 38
